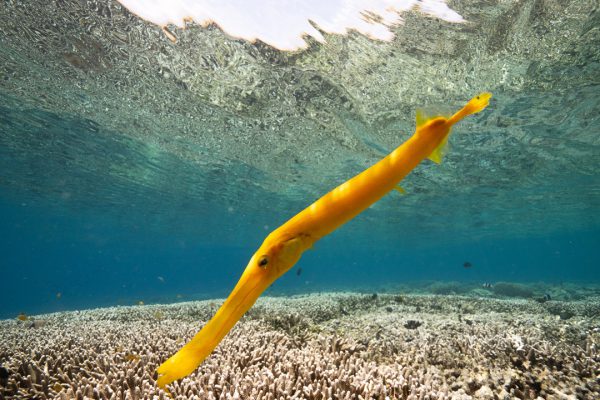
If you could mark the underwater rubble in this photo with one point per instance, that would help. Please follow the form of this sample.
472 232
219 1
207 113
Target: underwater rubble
320 346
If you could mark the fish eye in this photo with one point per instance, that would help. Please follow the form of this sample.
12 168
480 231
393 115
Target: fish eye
264 260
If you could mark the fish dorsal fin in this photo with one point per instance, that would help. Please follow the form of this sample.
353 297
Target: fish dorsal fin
426 114
422 117
438 154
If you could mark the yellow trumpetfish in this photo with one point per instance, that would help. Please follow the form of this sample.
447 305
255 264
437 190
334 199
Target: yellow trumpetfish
284 246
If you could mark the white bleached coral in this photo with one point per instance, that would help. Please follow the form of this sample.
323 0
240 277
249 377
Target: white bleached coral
499 348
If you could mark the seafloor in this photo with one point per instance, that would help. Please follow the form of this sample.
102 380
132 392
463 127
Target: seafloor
325 346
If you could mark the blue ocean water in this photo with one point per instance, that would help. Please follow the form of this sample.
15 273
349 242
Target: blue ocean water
75 236
94 261
112 194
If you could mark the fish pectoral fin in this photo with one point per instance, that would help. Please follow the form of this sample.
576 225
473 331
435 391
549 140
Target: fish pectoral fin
400 189
292 249
438 154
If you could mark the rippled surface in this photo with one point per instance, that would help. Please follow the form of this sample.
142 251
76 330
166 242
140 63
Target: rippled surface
285 25
218 136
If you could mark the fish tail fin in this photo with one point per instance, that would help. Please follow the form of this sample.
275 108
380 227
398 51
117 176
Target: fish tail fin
442 149
474 105
438 154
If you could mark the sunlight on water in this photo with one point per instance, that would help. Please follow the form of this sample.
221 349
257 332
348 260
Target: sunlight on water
284 24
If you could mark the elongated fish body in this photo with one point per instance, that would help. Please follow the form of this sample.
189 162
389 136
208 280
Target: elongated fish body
283 247
357 194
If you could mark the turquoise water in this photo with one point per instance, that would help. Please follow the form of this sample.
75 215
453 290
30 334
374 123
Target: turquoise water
134 169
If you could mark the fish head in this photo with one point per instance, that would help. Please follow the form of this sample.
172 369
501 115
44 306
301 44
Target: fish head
277 255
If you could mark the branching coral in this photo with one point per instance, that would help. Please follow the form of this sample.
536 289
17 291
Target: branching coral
510 348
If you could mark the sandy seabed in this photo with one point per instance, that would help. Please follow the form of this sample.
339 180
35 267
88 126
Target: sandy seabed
322 346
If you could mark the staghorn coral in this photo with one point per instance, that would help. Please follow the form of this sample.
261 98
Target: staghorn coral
510 348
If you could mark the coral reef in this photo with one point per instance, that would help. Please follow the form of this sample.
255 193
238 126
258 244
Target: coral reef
447 288
329 346
511 289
